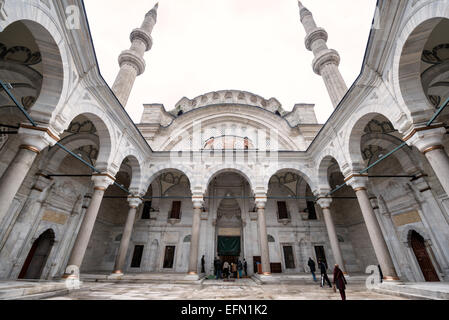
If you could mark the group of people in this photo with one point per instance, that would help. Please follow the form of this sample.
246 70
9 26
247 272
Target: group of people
339 278
224 270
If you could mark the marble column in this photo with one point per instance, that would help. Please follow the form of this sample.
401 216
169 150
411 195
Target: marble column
134 202
195 239
359 184
101 182
263 237
430 143
32 141
331 231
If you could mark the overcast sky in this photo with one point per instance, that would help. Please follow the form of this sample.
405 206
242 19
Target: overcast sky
251 45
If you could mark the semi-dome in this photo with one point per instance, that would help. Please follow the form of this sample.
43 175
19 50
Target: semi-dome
234 97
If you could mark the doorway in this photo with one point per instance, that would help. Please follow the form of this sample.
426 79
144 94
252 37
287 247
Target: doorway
425 263
169 257
289 258
38 255
320 254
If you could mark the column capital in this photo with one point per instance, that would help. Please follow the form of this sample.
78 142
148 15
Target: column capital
134 201
357 181
261 201
426 139
198 201
324 202
36 139
102 180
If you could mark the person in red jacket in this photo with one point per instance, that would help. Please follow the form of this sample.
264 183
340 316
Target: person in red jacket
340 281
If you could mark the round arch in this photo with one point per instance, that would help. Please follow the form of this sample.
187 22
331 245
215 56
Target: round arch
410 44
55 155
106 134
355 132
156 171
136 172
323 168
243 171
299 170
404 156
55 59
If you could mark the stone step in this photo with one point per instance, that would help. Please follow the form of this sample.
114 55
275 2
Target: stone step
31 289
420 290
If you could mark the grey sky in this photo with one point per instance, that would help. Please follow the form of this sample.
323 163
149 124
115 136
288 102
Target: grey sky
252 45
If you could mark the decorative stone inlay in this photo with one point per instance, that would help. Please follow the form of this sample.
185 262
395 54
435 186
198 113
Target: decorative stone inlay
55 217
406 218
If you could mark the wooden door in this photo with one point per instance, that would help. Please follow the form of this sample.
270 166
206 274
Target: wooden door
424 261
169 257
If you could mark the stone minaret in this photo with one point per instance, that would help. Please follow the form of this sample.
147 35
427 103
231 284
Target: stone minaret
326 60
131 61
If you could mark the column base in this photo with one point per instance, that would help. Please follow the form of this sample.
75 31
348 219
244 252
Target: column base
116 275
66 276
192 276
391 279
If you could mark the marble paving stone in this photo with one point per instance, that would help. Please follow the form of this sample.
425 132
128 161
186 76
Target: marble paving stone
216 291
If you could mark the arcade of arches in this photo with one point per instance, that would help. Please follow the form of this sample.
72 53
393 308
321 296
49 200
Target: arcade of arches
227 174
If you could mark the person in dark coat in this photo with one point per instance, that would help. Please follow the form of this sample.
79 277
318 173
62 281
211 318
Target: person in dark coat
245 267
217 264
324 277
202 264
340 281
311 265
239 268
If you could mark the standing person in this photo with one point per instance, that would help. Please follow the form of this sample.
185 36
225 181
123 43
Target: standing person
245 267
239 268
311 265
217 265
202 264
226 270
234 270
340 281
324 277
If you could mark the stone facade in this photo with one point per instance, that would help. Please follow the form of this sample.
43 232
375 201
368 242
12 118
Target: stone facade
226 163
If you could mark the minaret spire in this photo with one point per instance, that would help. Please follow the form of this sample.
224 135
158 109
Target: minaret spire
131 61
326 60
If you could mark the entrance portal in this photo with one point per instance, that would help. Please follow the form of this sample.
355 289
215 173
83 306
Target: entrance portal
38 255
424 261
229 230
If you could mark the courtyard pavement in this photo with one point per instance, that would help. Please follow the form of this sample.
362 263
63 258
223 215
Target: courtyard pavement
243 289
